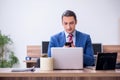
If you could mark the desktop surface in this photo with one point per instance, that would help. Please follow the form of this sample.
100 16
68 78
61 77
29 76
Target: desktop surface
86 72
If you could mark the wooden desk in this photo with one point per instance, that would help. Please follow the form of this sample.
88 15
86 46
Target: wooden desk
86 74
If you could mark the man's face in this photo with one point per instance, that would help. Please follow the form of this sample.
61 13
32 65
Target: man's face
69 24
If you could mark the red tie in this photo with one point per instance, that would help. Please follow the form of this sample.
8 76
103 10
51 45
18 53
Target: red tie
70 38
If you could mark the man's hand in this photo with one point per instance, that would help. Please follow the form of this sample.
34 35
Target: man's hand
67 44
72 45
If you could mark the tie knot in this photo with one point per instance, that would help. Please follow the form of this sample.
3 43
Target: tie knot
70 35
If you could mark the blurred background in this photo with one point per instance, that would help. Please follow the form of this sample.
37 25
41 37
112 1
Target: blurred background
29 22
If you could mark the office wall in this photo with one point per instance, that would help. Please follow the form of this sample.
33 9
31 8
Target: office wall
28 22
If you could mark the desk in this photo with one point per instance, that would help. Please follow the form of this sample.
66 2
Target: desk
86 74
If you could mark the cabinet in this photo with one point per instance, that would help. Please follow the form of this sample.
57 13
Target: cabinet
30 63
33 51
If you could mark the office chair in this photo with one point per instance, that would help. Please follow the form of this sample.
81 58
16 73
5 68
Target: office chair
117 65
97 48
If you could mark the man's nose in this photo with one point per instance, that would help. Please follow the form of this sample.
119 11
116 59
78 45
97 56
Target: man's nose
68 26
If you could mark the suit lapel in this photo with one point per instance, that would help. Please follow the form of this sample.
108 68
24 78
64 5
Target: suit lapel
77 40
62 39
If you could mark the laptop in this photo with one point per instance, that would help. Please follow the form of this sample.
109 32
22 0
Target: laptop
106 61
67 58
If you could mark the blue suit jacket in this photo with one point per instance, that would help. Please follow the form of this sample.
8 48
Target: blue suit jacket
82 40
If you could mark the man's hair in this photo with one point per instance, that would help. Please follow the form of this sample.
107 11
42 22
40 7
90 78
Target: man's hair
69 13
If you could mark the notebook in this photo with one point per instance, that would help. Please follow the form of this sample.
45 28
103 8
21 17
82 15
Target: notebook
67 58
106 61
23 69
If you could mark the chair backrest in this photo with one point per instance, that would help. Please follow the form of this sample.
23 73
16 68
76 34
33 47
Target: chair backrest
45 47
97 47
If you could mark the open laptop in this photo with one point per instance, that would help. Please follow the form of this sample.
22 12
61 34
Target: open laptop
67 58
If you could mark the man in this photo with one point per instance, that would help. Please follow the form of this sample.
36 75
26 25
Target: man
78 39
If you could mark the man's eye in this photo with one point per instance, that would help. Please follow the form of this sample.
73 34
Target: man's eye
72 23
65 23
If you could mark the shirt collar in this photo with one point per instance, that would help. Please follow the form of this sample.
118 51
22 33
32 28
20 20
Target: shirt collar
66 34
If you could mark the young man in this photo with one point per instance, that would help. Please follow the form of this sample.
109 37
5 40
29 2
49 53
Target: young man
74 37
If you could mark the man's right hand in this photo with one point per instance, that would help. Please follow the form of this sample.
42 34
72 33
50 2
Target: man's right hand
68 44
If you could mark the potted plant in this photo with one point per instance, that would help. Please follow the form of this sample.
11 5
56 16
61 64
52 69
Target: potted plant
7 57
